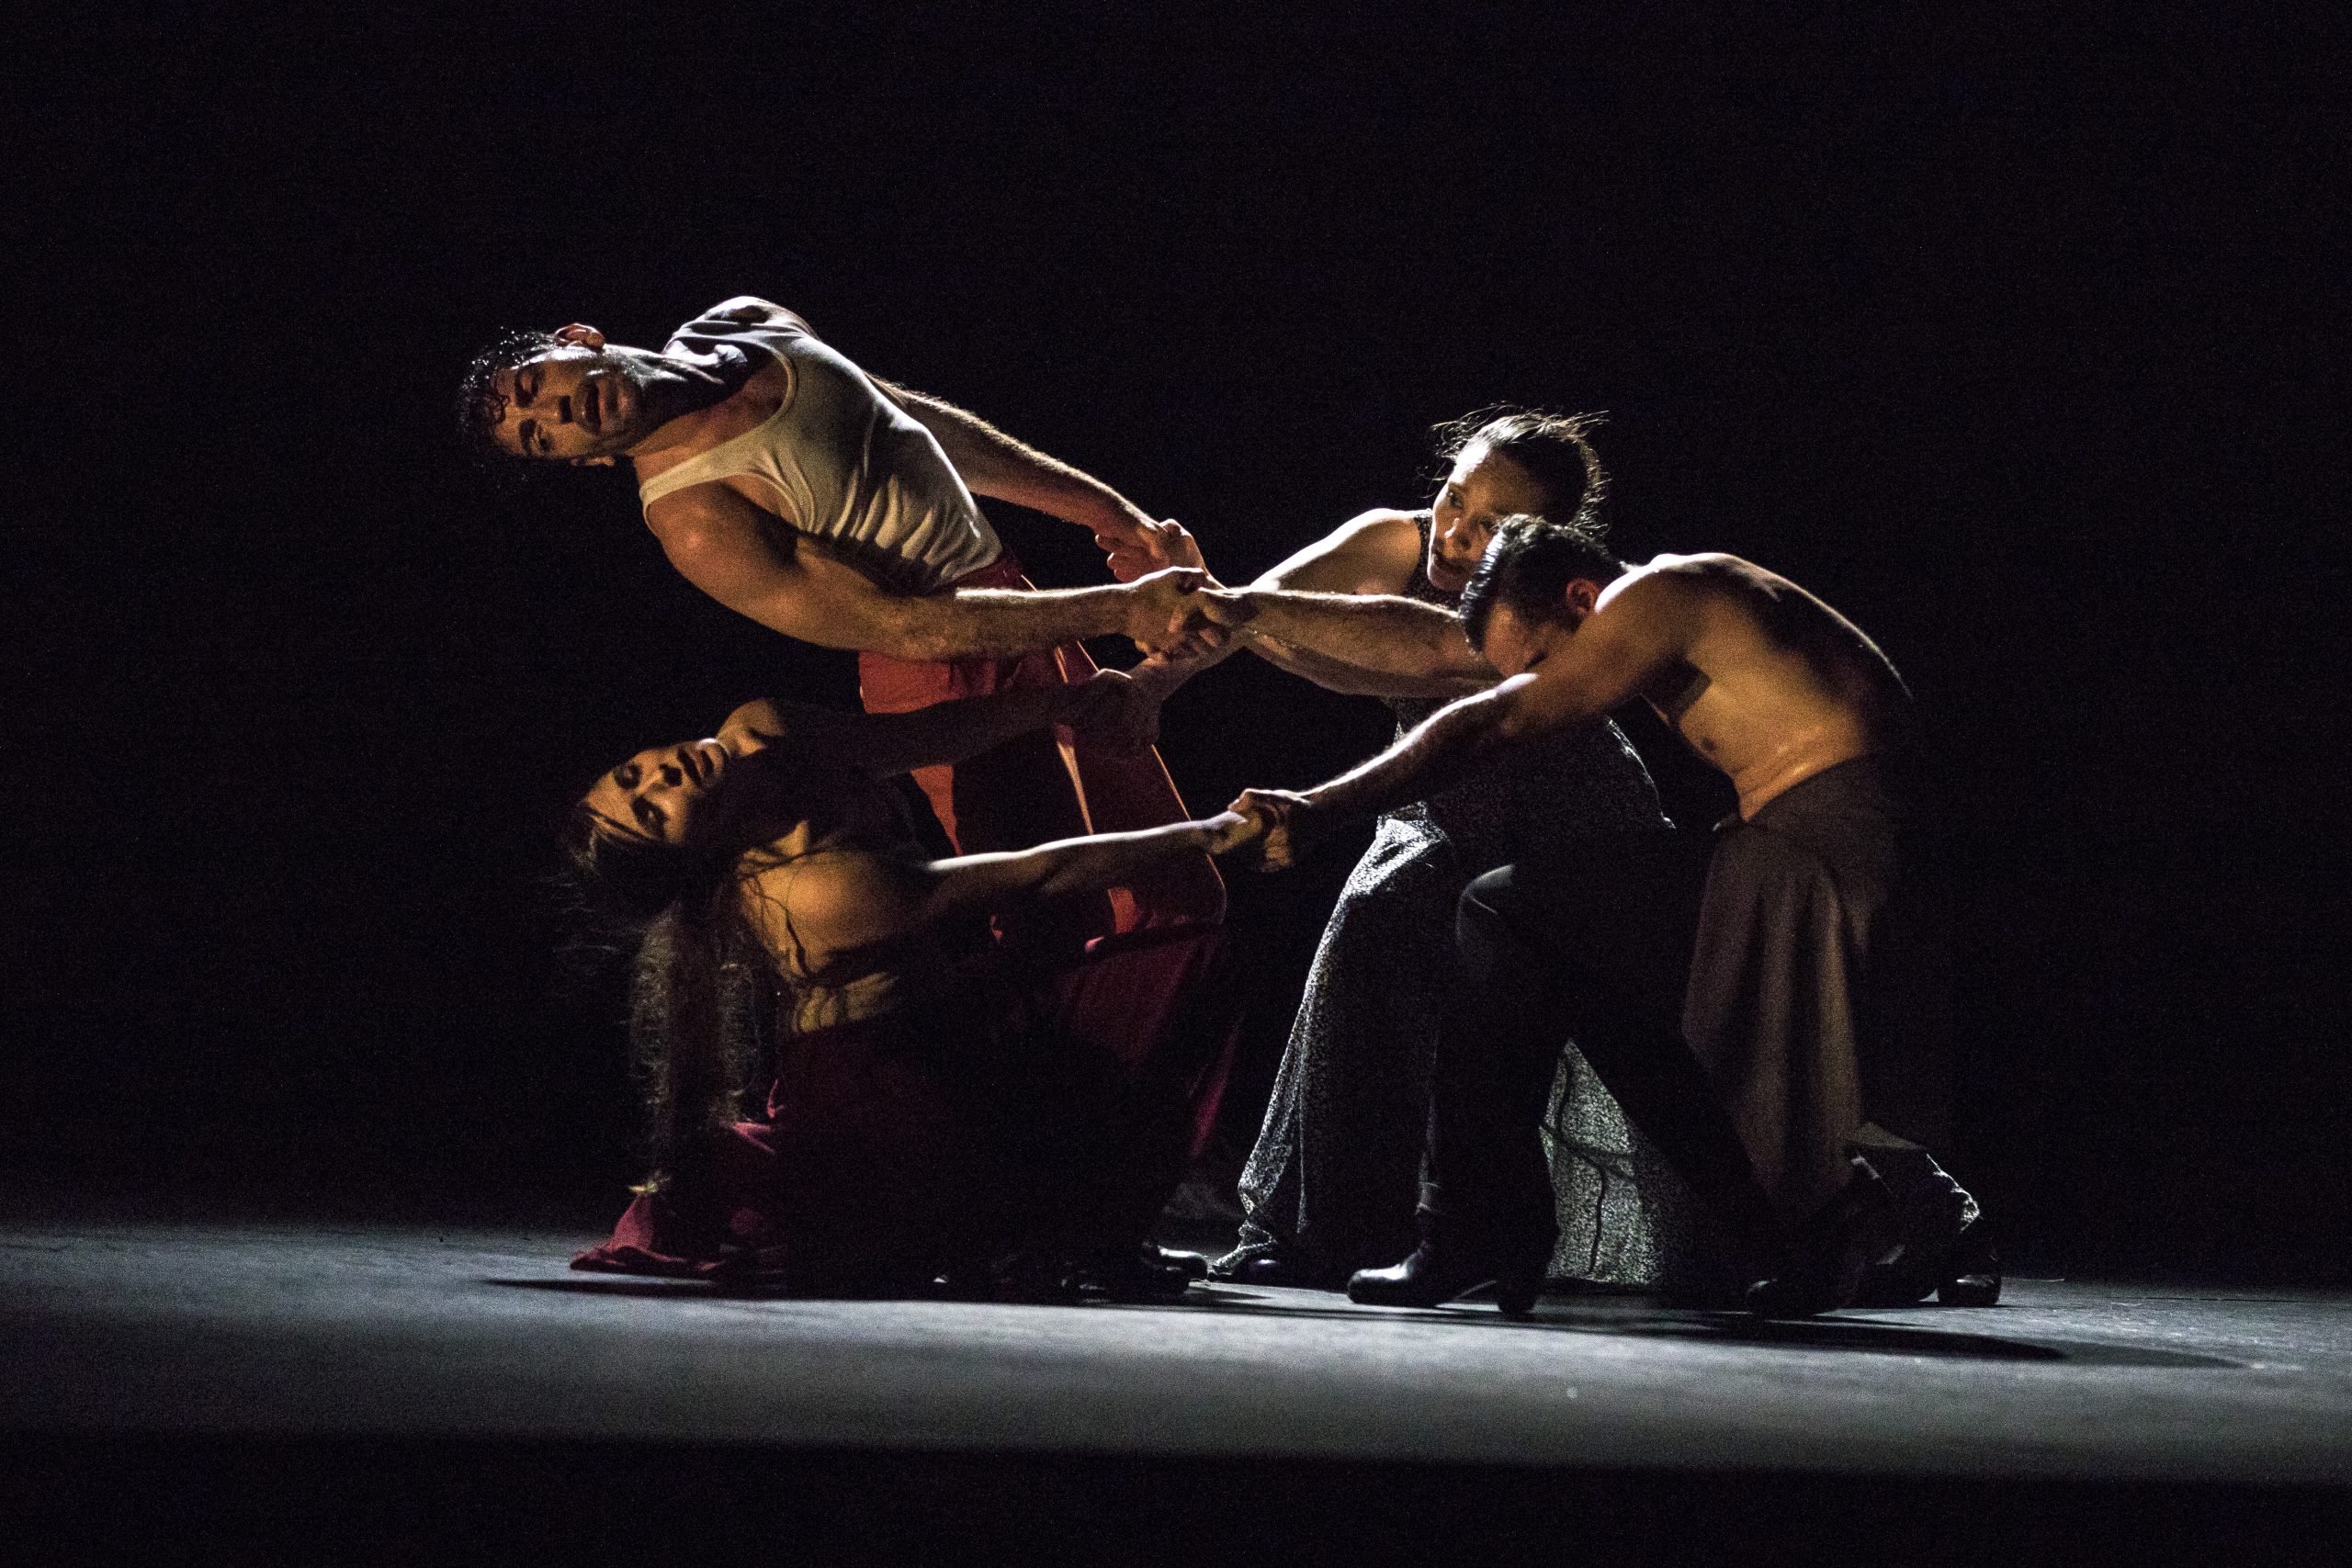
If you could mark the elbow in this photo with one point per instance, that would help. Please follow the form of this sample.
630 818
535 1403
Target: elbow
1509 724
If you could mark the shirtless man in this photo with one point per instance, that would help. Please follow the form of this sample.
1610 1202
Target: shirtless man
1762 1004
791 486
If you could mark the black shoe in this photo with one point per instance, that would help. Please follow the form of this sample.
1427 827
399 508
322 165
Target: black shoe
1280 1270
1143 1278
1844 1238
1195 1265
1432 1277
1964 1271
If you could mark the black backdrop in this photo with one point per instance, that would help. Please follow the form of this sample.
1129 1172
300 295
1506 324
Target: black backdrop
2005 335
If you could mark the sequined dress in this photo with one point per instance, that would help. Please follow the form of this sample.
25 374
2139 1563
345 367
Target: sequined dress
1334 1177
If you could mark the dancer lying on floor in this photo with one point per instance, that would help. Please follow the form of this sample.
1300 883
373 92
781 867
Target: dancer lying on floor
1765 1004
1331 1187
939 1103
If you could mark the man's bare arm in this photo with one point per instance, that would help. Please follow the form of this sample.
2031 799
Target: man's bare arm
730 549
1614 656
995 464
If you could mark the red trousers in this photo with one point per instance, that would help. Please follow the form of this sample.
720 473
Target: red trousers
1035 788
1055 1112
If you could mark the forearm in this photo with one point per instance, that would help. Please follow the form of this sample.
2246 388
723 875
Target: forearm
994 464
1065 869
1091 864
998 621
1354 681
1441 752
950 732
1381 633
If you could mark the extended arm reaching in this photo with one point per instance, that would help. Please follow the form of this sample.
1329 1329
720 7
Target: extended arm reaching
1381 634
949 732
727 546
995 464
999 882
1375 552
1637 636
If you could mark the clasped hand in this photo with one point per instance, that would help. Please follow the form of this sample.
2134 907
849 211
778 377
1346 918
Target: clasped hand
1143 546
1183 610
1112 713
1280 821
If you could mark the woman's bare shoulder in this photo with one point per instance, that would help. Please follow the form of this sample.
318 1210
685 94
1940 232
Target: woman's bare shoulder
829 900
1372 552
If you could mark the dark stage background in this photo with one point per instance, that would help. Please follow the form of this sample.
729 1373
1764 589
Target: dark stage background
2007 337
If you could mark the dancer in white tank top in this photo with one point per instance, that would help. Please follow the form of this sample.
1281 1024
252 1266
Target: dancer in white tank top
841 461
744 418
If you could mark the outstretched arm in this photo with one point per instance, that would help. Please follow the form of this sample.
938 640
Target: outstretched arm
1377 634
1373 553
1612 658
884 744
995 883
731 550
831 908
994 464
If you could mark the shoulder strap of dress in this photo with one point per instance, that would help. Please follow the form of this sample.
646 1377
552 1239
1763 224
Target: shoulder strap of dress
1418 585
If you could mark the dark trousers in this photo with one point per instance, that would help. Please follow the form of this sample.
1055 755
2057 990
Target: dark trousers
1593 944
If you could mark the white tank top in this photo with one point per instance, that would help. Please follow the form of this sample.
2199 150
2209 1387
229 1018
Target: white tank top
849 466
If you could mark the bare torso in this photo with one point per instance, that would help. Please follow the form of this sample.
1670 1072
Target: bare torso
1771 685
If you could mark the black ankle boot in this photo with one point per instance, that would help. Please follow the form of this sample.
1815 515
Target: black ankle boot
1844 1238
1963 1272
1195 1265
1432 1276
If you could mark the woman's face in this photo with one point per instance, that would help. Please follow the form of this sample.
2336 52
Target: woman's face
1484 488
666 793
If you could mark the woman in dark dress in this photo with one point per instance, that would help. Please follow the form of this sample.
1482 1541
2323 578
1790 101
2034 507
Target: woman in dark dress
1333 1180
939 1104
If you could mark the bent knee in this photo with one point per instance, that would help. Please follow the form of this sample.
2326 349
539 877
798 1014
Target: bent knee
1489 905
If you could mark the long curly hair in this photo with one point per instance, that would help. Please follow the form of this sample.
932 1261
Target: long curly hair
702 990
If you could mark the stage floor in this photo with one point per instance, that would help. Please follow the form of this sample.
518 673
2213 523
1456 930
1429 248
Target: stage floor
195 1335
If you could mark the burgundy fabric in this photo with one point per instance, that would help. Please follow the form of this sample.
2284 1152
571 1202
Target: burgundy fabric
1056 1112
1033 789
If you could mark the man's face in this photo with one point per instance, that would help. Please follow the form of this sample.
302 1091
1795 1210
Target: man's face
1516 644
580 402
1484 488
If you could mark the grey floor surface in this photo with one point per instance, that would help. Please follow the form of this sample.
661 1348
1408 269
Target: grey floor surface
275 1331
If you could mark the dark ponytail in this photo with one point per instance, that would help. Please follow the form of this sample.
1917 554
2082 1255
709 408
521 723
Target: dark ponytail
1552 447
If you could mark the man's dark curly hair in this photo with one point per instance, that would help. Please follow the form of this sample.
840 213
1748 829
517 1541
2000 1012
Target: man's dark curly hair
1528 565
1552 447
480 403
